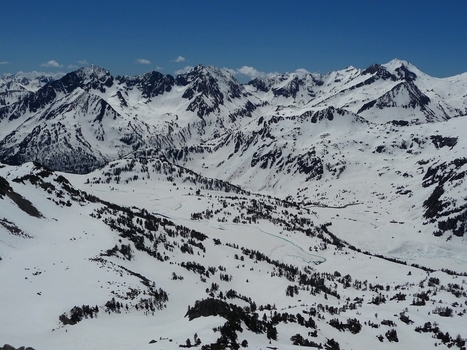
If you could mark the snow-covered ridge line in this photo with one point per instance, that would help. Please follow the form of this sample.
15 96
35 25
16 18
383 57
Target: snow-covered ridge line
103 118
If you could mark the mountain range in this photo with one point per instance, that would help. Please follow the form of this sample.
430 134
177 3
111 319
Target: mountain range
88 117
290 210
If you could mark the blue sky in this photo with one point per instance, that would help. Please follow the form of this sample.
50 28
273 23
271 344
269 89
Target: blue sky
133 37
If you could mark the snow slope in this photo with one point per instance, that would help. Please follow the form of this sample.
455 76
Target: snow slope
78 250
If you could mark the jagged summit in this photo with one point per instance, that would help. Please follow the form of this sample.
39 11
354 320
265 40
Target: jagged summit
209 88
379 71
150 84
288 84
93 71
87 78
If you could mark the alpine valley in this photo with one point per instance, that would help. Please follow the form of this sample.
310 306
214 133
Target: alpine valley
301 209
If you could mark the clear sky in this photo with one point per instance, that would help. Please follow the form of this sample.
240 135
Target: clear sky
134 37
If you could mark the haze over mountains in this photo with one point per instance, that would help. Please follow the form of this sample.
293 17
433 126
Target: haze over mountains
238 202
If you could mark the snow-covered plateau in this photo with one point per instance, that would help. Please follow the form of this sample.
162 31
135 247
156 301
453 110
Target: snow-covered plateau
161 212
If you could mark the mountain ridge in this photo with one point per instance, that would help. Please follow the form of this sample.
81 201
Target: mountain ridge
207 102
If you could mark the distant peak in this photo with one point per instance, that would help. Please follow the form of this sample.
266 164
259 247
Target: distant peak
372 68
92 77
94 70
34 75
397 63
402 69
302 73
203 72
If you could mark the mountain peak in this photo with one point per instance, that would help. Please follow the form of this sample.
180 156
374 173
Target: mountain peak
394 70
92 77
402 69
397 62
93 69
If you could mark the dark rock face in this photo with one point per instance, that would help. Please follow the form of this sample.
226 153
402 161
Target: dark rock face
54 151
440 141
93 77
405 74
9 347
259 84
325 114
203 89
202 86
22 203
245 111
34 101
406 86
295 85
267 160
399 122
290 90
450 216
310 165
380 72
150 84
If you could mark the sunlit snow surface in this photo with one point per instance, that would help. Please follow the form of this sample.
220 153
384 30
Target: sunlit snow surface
50 273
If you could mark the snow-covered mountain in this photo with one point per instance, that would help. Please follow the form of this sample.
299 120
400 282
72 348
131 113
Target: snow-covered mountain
194 211
380 93
90 116
14 87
